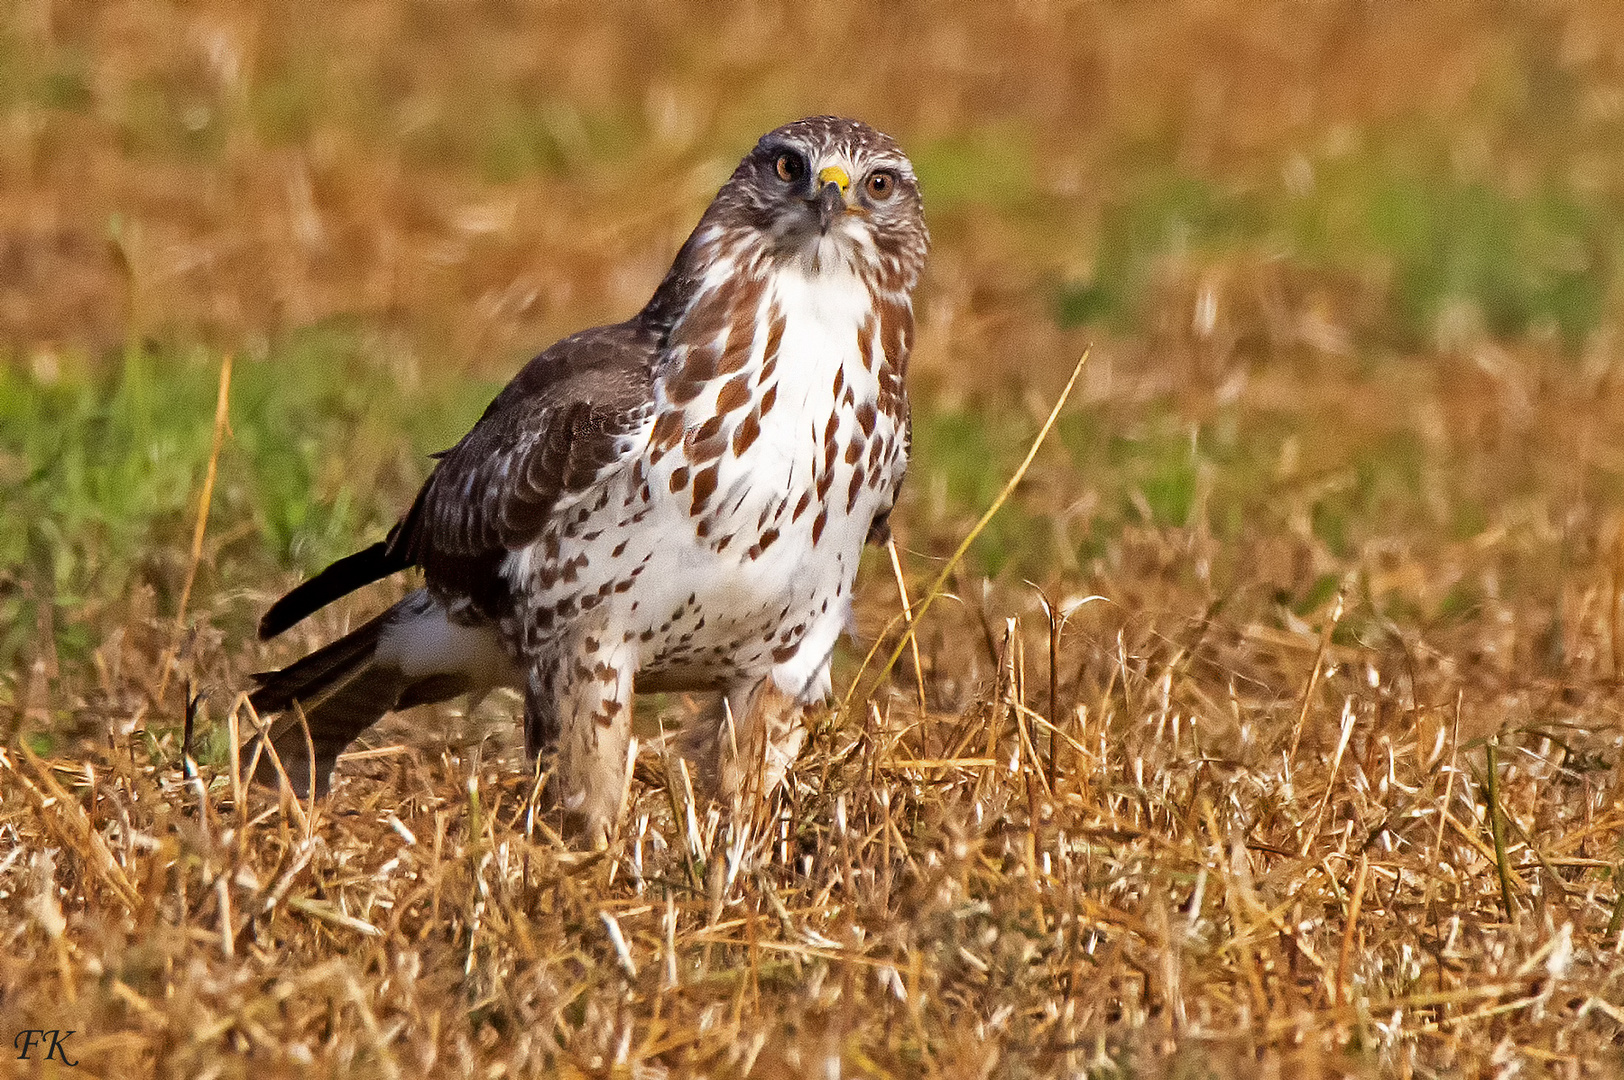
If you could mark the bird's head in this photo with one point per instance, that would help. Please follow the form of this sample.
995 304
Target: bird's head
832 194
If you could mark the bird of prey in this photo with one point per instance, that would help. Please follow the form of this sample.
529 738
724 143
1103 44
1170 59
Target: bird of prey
674 502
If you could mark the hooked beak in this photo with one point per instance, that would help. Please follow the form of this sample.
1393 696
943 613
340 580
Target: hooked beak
832 186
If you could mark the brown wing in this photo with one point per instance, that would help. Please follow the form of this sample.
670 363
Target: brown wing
879 530
562 421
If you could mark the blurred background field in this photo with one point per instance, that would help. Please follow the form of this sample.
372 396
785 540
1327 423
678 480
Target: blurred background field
1350 278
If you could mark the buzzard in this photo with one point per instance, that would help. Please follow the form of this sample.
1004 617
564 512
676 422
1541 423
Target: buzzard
674 502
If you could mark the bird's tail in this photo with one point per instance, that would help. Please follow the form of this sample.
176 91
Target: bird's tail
412 654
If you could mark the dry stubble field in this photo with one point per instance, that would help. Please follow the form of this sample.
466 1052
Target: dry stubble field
1322 774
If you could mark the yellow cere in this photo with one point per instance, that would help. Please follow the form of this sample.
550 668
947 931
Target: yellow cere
834 174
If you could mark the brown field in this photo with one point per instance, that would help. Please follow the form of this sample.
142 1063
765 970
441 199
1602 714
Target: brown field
1322 775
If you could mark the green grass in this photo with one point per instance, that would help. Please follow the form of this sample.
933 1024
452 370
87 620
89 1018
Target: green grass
990 166
1154 469
1459 254
100 467
1165 218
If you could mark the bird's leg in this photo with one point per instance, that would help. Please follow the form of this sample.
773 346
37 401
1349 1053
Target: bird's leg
760 733
581 707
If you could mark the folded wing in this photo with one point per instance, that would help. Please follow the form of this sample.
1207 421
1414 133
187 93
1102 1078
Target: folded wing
569 417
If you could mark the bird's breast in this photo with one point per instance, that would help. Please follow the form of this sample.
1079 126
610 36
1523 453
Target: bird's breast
729 544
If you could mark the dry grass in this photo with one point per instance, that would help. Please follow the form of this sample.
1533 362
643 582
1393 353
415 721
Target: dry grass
1155 885
1325 778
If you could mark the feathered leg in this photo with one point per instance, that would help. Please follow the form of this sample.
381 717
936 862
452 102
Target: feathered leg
578 704
745 751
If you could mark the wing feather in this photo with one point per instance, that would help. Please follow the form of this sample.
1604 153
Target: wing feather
563 422
555 431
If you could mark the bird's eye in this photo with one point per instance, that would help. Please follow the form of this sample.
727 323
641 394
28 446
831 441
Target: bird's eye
791 167
881 183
